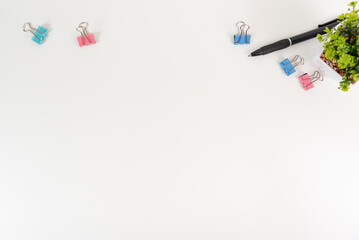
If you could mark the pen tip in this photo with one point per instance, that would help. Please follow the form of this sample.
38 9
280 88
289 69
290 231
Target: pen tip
250 55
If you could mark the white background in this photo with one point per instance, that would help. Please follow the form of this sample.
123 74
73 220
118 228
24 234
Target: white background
166 130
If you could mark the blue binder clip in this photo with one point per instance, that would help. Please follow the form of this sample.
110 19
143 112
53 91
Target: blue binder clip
242 37
39 33
289 66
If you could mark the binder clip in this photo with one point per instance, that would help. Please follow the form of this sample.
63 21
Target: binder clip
39 33
289 66
242 36
308 80
85 38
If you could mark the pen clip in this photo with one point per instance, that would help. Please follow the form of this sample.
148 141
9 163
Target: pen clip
328 23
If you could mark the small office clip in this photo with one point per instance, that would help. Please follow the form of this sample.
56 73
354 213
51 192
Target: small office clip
85 38
39 33
308 80
289 66
242 29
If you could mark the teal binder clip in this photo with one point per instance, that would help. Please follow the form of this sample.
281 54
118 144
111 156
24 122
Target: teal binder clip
289 66
39 33
242 36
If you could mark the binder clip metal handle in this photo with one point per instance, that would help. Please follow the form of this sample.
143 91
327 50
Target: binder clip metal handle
289 66
243 28
308 80
240 30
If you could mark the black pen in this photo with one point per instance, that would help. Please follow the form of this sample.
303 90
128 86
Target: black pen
294 40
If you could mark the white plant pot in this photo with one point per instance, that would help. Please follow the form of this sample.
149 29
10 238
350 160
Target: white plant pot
324 68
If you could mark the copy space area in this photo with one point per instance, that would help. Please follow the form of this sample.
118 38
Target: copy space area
165 130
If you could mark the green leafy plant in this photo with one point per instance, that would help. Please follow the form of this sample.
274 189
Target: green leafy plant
341 46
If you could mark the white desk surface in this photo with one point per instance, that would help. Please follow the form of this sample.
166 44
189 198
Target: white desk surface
166 130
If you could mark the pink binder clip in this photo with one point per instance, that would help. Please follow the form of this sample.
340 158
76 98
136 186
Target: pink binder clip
308 80
85 38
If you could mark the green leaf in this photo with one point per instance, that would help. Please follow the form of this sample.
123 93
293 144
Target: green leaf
341 45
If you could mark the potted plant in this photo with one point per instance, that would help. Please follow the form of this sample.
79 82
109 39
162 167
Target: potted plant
341 47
